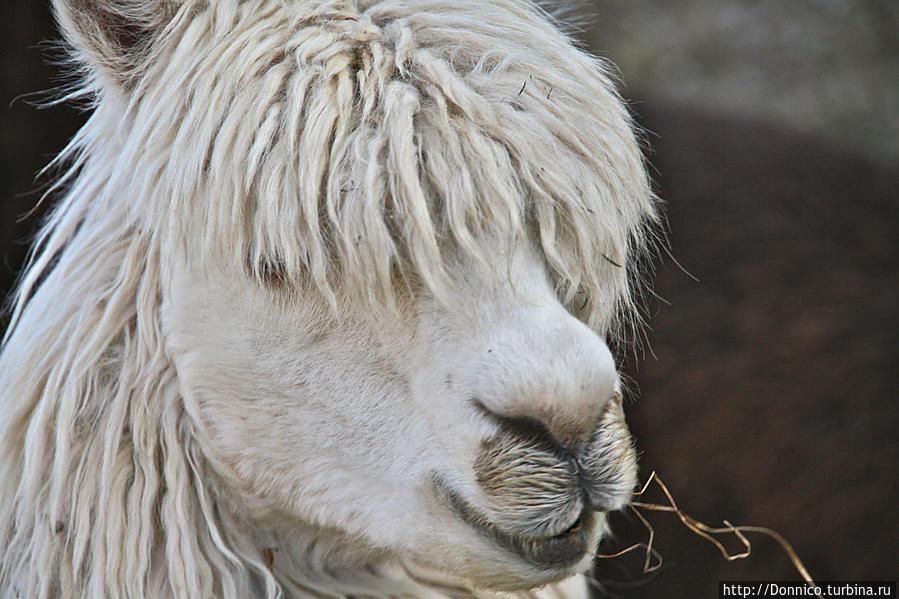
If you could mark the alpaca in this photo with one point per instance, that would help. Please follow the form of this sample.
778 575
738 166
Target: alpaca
325 308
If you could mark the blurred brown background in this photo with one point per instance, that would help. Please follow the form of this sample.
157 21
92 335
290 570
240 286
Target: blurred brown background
771 398
771 395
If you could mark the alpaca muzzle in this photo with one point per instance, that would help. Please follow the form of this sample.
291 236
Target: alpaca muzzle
539 497
537 485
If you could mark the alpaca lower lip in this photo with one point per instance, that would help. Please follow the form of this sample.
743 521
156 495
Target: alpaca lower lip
549 553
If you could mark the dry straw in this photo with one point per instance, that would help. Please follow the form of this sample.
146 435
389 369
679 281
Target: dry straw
703 530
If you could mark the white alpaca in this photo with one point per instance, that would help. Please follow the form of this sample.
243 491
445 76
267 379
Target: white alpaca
323 310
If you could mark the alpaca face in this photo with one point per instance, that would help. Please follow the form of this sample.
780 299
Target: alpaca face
483 437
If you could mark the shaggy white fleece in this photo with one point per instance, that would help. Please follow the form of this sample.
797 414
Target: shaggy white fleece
331 158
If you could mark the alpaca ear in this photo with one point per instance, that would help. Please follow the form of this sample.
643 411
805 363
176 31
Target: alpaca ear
113 38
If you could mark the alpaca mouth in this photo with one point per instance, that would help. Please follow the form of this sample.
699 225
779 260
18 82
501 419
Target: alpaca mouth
554 552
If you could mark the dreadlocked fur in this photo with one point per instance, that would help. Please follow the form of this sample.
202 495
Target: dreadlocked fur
347 146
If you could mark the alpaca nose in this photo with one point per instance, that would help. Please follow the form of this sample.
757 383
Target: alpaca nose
552 384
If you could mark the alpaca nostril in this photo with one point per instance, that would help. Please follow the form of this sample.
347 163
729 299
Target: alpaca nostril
564 430
528 430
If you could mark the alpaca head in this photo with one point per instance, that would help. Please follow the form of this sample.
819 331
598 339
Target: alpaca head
394 241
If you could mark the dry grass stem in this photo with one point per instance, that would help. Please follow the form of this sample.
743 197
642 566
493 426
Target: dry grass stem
703 530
